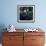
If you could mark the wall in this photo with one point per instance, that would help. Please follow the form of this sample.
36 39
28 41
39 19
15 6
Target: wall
8 13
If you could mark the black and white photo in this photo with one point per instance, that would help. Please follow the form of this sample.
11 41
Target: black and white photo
25 13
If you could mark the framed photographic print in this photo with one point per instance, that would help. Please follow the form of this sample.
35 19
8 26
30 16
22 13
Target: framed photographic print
26 13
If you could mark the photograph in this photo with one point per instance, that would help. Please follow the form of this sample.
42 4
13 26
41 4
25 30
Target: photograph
26 13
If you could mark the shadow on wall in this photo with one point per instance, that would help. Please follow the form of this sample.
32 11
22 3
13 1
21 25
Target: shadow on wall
2 26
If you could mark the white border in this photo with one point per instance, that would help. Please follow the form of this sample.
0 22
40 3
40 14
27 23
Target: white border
25 21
